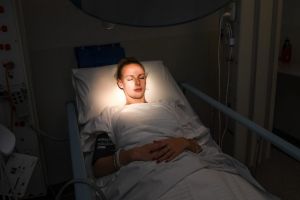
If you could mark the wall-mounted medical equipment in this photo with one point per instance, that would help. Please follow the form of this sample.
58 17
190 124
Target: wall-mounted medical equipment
17 112
15 169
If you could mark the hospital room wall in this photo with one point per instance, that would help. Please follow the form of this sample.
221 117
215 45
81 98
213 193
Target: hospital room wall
54 28
287 108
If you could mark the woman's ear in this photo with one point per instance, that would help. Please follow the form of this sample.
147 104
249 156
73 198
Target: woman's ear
120 84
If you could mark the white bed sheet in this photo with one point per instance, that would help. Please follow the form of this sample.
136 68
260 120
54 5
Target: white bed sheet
210 174
212 184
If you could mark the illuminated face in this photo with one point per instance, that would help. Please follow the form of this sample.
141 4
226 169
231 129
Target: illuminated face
133 83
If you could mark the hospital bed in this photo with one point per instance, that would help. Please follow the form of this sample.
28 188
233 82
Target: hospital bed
95 88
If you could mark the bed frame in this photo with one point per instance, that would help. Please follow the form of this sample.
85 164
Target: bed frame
83 191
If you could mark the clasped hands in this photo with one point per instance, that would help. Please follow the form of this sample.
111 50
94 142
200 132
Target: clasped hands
164 150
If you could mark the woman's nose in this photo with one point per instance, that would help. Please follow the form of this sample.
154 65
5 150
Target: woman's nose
137 82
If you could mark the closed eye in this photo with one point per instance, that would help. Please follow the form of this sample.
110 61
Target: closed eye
142 76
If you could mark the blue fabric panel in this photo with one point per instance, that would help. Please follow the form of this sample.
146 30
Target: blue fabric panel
99 55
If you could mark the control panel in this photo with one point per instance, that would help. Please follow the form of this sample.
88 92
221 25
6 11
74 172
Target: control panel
13 88
25 166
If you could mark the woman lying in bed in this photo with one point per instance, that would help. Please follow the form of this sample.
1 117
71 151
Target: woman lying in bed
131 78
159 150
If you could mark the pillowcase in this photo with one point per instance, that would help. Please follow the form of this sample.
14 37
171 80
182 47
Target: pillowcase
96 88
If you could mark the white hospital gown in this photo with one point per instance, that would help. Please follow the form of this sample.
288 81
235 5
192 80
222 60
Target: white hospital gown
165 119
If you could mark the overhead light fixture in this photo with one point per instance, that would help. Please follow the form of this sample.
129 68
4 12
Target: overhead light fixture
154 13
108 25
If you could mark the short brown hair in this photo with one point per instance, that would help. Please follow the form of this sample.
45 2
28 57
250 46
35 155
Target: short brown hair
126 61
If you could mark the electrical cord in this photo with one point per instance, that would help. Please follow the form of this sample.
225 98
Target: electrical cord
229 59
99 193
44 134
219 72
226 97
229 36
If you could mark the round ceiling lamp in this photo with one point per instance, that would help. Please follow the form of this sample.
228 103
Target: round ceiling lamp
151 13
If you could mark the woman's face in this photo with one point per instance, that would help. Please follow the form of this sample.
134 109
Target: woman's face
133 83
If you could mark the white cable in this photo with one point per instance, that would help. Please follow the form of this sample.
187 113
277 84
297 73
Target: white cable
82 181
219 74
230 36
226 95
228 33
49 136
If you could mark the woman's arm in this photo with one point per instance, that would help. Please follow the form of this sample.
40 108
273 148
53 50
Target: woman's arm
105 165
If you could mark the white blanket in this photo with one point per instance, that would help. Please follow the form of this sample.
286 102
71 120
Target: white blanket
138 124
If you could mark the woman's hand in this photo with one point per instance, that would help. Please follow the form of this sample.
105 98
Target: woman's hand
144 153
194 146
161 150
172 147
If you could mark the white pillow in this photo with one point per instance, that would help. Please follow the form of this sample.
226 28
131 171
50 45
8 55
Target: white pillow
96 88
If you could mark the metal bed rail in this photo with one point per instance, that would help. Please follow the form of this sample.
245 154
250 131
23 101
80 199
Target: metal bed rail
285 146
82 191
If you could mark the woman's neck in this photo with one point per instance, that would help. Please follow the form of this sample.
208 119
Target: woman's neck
133 101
